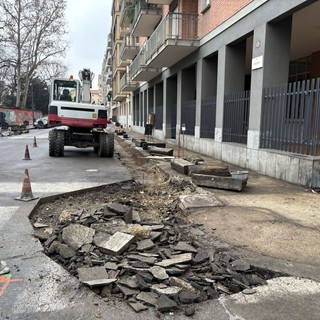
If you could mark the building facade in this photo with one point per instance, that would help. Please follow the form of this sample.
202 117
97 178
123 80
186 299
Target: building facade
241 78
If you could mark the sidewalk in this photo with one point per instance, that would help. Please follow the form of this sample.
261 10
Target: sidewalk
272 223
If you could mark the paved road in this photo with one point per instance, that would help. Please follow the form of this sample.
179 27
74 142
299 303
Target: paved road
38 288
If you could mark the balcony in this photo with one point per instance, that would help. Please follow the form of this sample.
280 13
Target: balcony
174 39
108 79
108 60
127 85
119 97
129 48
146 17
159 1
139 71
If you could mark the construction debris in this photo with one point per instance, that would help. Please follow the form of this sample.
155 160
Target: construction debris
150 263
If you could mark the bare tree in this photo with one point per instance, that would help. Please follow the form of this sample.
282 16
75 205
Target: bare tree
52 69
31 34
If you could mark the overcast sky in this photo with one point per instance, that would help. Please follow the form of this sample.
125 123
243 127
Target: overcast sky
89 24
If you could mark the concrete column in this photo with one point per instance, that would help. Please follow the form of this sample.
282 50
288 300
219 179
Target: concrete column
220 93
179 97
140 108
271 56
199 85
164 103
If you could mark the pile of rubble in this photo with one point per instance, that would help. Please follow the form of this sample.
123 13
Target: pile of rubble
150 264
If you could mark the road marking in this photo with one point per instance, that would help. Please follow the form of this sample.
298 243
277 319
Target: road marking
6 279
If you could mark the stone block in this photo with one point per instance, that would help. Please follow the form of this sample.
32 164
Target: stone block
181 165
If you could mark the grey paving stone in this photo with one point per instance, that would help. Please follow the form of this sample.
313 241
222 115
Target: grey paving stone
76 235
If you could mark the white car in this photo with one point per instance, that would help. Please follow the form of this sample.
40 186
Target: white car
41 123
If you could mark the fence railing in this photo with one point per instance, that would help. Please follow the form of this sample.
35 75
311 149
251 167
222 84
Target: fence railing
236 117
188 115
290 119
208 117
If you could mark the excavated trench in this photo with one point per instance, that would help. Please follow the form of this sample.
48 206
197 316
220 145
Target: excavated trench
166 263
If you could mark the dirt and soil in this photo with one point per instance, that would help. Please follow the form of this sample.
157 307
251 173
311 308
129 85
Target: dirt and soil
269 218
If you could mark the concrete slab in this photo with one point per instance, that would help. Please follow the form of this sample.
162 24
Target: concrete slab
199 201
117 243
226 183
181 165
94 276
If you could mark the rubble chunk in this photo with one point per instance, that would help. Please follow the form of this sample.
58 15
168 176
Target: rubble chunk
127 291
148 260
201 257
94 276
149 298
76 235
137 306
165 304
185 247
117 243
165 290
175 259
145 245
111 266
65 251
159 273
240 265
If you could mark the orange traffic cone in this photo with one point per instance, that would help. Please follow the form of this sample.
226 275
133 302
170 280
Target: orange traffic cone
27 154
34 142
26 194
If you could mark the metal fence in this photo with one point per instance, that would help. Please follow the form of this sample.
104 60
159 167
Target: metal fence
188 115
159 117
290 119
236 117
208 117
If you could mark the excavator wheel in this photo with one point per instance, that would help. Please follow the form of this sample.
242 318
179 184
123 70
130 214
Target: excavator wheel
106 148
56 143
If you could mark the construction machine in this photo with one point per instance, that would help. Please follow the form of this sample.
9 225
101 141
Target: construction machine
77 122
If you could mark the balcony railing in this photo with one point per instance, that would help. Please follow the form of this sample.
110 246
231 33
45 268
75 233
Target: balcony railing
139 71
174 26
126 6
146 17
138 63
126 84
129 47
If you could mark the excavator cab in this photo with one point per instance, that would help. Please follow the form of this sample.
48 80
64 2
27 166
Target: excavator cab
66 90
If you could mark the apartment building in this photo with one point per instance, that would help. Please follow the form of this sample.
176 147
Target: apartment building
240 77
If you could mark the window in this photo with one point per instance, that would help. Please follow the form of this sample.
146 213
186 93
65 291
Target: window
205 5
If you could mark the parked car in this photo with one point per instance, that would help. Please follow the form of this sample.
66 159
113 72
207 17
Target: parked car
41 123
